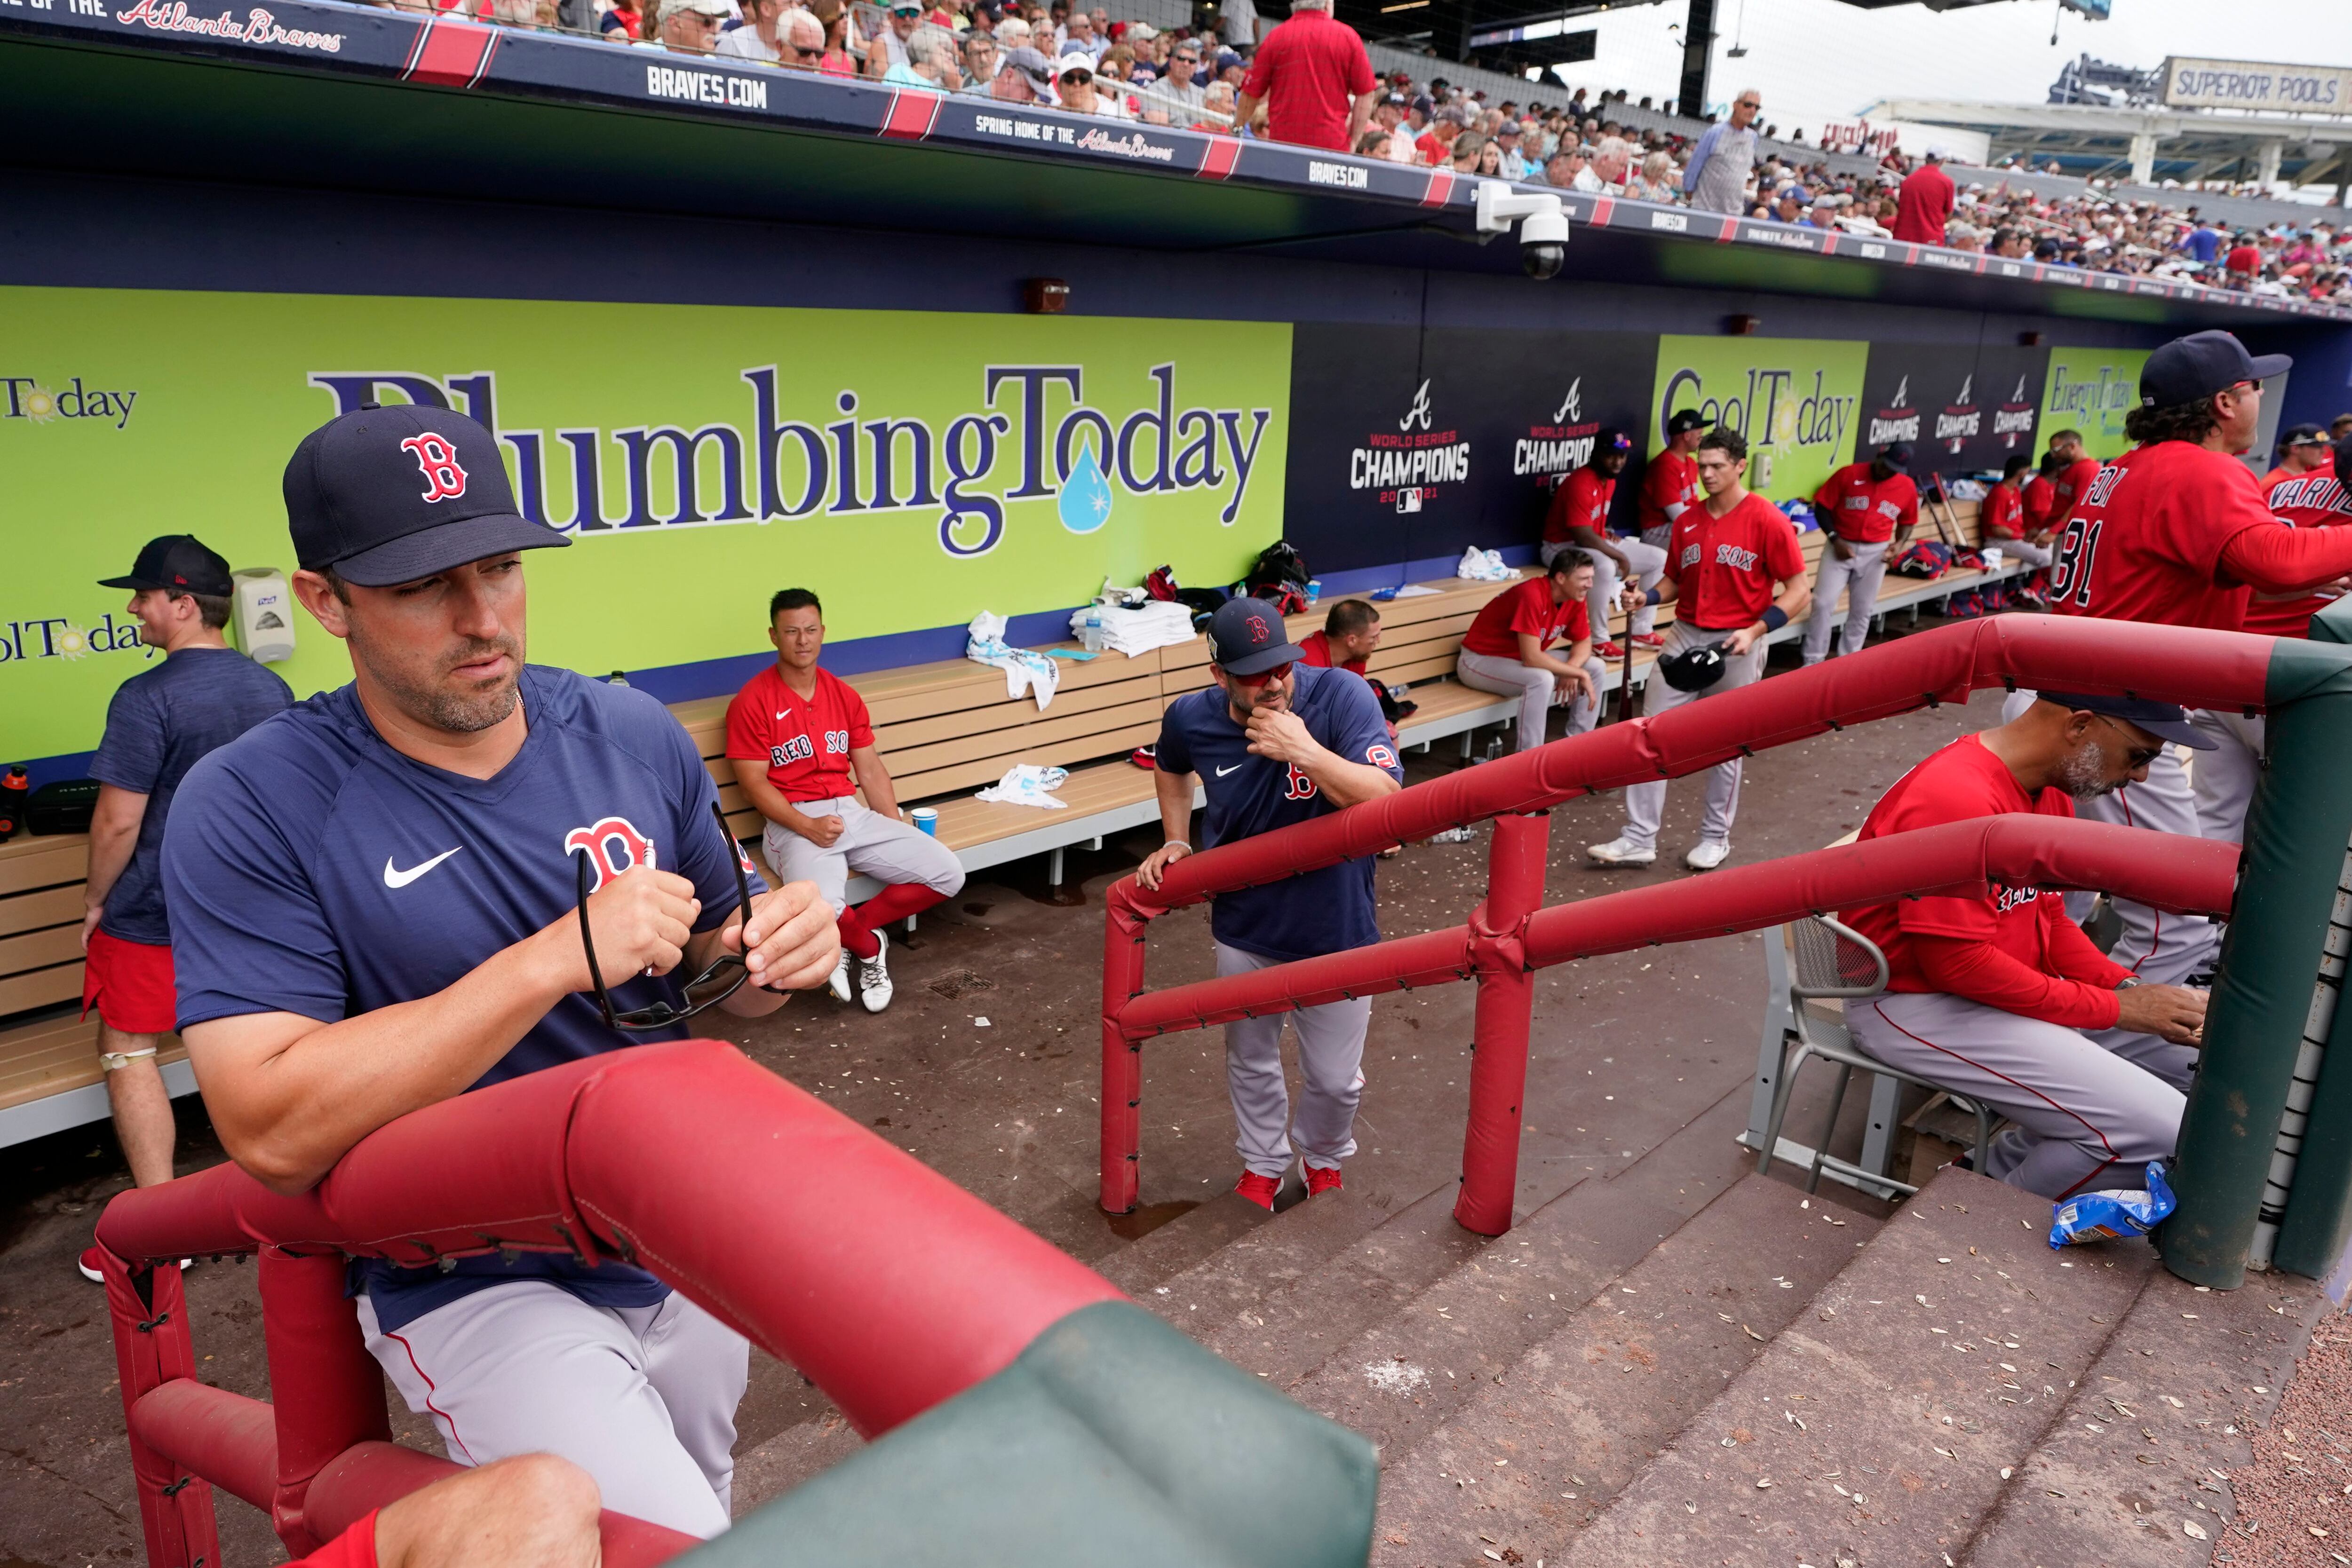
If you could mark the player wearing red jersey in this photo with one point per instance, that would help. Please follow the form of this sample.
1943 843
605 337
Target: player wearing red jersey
2039 498
2303 493
2070 481
1670 484
1351 631
796 736
2175 533
1738 576
1868 510
2302 449
1578 519
1989 995
1507 650
2003 522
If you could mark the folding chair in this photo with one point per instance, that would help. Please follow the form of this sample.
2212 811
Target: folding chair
1834 963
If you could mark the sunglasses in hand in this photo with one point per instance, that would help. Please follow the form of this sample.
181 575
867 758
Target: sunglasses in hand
721 980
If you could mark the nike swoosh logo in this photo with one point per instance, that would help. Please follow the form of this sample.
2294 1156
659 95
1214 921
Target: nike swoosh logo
393 878
1223 771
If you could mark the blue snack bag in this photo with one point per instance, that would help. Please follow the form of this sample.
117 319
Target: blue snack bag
2105 1215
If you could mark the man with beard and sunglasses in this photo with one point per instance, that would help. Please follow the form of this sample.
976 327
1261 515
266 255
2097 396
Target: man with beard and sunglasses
377 904
1276 742
1997 995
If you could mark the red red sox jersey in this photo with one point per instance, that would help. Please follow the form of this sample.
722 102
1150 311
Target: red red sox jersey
1582 502
1961 783
2003 513
2146 536
805 741
1494 631
1725 569
2039 501
2312 500
1671 480
1863 510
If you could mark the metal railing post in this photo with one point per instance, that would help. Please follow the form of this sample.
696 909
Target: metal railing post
1499 1061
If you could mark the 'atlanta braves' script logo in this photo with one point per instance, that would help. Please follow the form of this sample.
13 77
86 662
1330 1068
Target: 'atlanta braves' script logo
1419 412
599 841
438 462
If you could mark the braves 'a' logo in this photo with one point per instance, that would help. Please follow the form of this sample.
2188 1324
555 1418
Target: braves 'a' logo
600 842
1419 412
438 460
1572 407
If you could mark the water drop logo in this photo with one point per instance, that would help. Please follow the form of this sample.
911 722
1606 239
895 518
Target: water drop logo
1085 496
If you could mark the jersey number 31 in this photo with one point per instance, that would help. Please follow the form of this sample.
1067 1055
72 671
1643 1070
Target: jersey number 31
2078 554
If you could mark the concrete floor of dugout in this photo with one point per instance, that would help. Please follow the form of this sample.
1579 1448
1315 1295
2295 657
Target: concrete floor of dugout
1627 1050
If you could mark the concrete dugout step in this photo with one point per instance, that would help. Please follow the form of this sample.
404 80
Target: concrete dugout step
1526 1454
1876 1427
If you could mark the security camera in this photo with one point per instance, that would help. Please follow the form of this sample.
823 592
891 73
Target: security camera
1543 226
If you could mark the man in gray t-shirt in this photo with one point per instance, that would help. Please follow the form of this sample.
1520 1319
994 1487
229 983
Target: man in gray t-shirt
1716 179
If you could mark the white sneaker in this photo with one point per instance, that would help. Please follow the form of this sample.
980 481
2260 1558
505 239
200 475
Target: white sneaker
839 984
1621 851
1706 854
874 988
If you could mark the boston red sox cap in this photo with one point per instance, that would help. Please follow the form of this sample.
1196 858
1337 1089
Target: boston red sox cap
2191 369
2165 721
180 563
387 494
1897 454
1246 636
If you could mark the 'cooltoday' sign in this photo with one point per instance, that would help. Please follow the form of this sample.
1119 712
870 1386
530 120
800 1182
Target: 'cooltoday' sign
1796 400
913 469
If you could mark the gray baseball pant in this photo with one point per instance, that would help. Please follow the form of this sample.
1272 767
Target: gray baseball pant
1860 578
2086 1117
1330 1069
2160 948
642 1398
1533 687
871 844
1645 804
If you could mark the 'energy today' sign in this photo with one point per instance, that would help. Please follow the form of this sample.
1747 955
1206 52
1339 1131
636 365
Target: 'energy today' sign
2091 390
1795 399
913 469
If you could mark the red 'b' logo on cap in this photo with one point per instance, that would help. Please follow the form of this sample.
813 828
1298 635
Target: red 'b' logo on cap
1259 631
438 460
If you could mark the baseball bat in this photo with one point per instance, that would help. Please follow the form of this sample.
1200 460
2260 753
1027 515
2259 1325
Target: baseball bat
1940 512
1625 679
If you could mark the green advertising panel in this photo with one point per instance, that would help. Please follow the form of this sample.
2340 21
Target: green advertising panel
1795 400
2091 390
914 469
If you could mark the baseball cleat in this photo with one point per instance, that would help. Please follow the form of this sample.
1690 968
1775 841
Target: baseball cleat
1647 640
874 988
1621 851
1260 1189
838 983
1706 854
1320 1179
1608 650
87 1264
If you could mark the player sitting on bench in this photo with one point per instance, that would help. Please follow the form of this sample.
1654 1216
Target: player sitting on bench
795 734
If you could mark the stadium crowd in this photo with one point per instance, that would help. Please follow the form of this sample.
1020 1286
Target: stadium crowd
1213 79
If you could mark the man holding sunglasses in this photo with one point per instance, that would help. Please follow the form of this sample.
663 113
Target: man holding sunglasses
2175 532
1277 741
413 885
1997 995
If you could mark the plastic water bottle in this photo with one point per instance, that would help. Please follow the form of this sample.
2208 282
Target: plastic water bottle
616 679
1090 636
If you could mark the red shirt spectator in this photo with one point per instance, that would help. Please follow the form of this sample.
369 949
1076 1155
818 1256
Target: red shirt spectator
1724 568
1528 608
2242 262
1313 78
1863 510
1924 206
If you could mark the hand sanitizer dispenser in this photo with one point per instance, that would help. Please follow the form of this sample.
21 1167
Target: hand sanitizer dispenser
264 614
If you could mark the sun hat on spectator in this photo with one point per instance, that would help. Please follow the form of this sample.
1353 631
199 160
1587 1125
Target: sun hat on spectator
705 7
1076 60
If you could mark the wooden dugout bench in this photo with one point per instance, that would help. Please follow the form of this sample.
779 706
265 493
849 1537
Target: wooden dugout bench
946 730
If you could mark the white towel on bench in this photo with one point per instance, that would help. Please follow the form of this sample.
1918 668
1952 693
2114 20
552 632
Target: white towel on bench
1024 670
1162 623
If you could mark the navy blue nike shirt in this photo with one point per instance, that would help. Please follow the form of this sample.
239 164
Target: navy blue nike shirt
1326 911
311 869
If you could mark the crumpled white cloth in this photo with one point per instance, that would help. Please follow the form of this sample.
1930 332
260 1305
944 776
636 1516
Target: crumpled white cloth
1026 784
1485 566
1162 623
1024 670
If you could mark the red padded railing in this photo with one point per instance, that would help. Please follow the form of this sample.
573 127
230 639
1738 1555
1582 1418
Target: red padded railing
889 1286
1506 935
